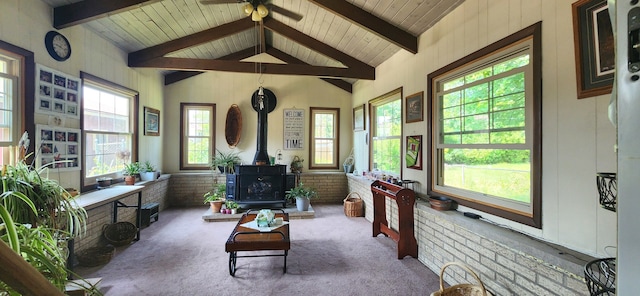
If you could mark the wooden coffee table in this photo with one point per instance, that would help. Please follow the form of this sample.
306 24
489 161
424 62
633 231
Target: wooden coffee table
245 238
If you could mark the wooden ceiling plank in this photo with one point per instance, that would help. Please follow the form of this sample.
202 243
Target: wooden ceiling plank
191 40
318 46
247 67
344 85
372 23
84 11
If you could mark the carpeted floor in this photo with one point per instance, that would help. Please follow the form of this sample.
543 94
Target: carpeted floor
330 255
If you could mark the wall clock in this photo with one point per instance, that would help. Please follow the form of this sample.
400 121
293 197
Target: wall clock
57 45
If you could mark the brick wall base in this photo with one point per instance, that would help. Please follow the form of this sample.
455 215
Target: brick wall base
508 263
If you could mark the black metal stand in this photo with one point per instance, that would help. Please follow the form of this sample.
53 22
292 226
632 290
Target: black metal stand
118 204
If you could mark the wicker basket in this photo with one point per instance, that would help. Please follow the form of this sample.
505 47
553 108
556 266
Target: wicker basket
120 233
461 289
353 206
95 256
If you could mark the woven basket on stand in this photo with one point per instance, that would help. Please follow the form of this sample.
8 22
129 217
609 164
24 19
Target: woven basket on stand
353 206
119 233
461 289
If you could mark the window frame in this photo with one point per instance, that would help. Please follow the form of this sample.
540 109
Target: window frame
373 103
336 137
24 108
88 183
534 218
212 144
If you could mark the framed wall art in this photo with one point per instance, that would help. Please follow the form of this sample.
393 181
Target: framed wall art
293 129
151 122
594 48
358 118
413 156
414 107
57 93
58 148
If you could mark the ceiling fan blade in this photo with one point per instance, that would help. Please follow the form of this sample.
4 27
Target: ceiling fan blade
220 1
288 13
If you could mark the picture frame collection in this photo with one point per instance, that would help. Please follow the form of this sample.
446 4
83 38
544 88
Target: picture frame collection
58 148
57 93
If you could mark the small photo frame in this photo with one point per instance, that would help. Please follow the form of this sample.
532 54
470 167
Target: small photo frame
46 135
45 105
58 107
46 148
414 107
72 137
594 48
72 110
46 162
72 97
60 81
45 90
151 122
45 76
59 94
358 118
413 156
72 149
72 162
72 84
60 136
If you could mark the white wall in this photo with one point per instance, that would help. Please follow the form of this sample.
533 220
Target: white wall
225 89
24 23
578 139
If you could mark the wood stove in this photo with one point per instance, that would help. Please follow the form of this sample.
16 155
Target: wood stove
259 184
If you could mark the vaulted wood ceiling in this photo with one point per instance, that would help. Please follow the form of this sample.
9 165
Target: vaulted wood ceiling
339 41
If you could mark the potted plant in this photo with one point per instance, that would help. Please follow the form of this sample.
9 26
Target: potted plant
215 197
147 171
130 171
225 162
302 194
231 206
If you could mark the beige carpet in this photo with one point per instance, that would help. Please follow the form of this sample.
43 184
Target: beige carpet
330 255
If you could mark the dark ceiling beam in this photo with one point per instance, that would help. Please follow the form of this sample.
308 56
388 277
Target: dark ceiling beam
176 76
190 40
318 46
88 10
344 85
371 22
248 67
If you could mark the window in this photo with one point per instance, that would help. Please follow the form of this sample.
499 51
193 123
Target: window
486 129
197 135
9 122
325 127
109 128
386 133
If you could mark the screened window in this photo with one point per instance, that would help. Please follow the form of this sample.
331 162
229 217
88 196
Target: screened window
484 144
108 127
386 133
198 136
325 127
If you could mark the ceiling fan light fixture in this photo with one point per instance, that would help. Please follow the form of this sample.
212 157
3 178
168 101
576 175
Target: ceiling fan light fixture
262 10
248 9
255 16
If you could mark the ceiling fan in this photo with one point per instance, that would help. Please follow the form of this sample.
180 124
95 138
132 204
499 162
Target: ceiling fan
258 9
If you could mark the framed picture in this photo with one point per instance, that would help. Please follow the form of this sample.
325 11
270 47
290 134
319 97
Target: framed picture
413 157
358 118
594 48
414 107
151 122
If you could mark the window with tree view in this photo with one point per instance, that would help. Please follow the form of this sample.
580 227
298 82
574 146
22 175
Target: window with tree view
197 140
325 129
483 132
386 133
108 127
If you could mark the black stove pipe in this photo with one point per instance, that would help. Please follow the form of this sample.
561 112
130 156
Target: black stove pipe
263 102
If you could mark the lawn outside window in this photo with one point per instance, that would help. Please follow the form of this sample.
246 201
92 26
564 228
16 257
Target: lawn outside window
485 143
